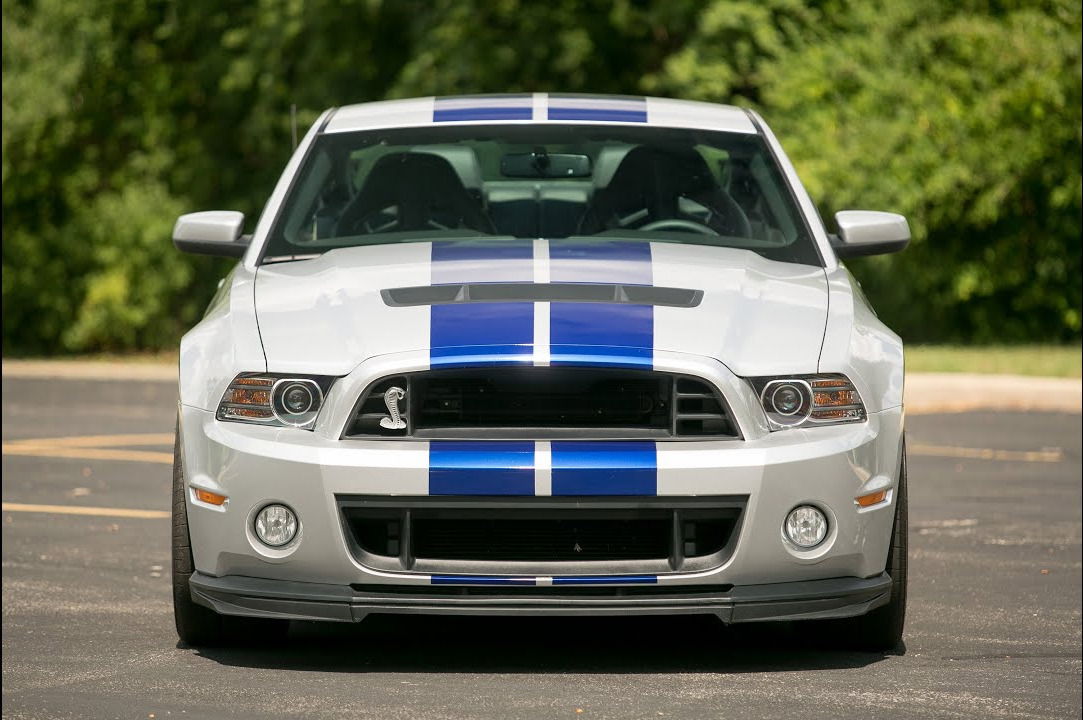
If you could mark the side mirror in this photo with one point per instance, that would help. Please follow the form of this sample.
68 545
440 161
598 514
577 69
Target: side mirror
866 232
214 232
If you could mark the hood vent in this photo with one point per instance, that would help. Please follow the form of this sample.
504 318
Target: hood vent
541 292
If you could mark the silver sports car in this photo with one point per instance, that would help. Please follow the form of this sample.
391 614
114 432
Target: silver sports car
539 354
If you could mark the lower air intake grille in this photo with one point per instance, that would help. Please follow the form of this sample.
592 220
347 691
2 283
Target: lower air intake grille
531 534
543 540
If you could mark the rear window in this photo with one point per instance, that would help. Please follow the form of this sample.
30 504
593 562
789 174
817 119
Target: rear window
540 181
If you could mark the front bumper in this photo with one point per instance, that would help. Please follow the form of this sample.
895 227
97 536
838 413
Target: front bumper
312 471
807 600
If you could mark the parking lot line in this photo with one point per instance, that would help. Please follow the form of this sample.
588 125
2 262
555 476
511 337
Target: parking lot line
1047 455
109 440
94 447
81 510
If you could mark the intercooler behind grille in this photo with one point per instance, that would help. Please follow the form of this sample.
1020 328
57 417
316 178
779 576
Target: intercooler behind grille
541 403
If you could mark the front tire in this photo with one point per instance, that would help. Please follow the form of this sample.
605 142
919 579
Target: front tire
198 625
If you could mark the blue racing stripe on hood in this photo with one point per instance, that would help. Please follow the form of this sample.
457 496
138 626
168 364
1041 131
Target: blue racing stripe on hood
604 468
615 335
462 334
601 261
481 468
600 334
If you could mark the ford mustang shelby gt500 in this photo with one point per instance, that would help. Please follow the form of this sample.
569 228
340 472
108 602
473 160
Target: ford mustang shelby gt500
539 354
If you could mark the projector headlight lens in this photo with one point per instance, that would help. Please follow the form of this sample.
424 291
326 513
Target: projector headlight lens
809 400
296 402
298 398
276 525
277 400
806 526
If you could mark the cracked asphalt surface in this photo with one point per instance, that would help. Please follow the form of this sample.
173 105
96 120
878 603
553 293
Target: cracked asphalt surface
993 628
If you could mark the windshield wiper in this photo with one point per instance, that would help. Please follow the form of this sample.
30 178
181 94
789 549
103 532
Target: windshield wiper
289 258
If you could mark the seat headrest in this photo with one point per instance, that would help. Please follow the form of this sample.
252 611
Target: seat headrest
462 159
681 170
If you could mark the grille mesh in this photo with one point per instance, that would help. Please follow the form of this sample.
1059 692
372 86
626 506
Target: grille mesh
542 403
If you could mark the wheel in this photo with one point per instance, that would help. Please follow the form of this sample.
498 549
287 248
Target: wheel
198 625
881 630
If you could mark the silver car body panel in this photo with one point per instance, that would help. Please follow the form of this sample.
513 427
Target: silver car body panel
327 316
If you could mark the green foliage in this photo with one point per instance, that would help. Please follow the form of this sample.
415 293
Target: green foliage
117 117
965 117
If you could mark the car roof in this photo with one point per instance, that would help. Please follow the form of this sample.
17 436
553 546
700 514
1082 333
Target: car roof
534 108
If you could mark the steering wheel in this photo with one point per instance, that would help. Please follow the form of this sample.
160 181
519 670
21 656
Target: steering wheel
679 224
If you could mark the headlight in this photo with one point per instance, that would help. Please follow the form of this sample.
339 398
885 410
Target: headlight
278 400
809 400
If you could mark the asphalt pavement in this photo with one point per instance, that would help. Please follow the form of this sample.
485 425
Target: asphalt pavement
993 627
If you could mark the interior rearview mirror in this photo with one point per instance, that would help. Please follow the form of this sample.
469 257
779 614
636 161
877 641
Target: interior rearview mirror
213 232
867 232
545 165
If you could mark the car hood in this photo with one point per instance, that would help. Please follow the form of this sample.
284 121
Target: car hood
328 314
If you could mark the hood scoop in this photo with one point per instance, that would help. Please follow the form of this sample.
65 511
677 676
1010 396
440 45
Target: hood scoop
541 292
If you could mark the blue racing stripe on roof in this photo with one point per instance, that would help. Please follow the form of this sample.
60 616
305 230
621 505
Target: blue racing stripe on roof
604 468
606 580
482 113
483 107
483 467
481 580
598 114
597 108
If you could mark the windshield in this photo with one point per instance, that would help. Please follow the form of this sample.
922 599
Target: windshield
540 181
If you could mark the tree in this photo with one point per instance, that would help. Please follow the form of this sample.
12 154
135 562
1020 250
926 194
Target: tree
963 116
117 117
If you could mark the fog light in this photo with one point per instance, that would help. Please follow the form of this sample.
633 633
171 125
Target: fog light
276 525
806 526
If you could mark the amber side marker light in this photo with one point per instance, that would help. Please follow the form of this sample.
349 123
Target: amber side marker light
871 499
211 498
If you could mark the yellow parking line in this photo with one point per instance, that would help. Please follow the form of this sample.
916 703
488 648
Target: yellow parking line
1047 455
52 451
78 510
107 440
94 447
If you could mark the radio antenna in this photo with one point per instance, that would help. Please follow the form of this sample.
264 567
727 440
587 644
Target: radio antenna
293 123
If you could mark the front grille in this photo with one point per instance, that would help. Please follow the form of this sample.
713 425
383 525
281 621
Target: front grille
540 535
542 403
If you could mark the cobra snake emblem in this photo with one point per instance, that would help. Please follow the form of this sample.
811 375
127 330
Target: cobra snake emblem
391 399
